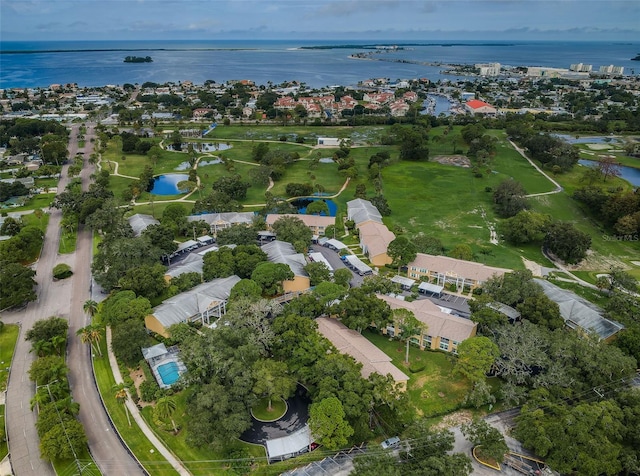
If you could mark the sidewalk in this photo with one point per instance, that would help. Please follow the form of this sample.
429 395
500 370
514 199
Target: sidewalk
135 413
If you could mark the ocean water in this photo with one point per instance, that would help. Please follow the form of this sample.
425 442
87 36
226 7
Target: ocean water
97 63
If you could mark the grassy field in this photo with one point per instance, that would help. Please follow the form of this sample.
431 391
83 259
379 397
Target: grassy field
261 409
40 201
433 391
425 197
8 339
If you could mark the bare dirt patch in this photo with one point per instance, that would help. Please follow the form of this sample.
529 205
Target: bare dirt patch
456 160
137 376
454 419
597 262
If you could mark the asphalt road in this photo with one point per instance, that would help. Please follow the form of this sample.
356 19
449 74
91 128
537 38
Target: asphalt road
65 299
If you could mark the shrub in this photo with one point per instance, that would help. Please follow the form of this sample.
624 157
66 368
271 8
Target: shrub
62 271
415 368
148 390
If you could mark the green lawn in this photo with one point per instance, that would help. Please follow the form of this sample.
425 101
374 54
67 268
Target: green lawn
8 339
67 242
70 467
433 391
152 460
40 201
261 409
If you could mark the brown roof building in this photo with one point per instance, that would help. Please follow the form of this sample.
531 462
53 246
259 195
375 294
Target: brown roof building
444 331
352 343
444 270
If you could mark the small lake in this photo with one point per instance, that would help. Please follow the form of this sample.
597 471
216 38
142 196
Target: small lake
302 203
630 174
187 165
202 146
587 139
168 184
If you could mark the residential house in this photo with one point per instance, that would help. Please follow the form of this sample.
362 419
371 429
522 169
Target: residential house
328 142
443 331
350 342
139 222
205 303
374 235
283 252
443 270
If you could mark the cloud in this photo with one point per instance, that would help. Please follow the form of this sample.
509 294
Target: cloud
353 7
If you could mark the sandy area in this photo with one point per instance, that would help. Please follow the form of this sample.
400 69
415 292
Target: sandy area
457 160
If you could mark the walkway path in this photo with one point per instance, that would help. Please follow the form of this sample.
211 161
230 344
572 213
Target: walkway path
137 417
558 188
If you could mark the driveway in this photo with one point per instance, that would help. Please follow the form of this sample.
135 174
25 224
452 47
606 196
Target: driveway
294 419
336 263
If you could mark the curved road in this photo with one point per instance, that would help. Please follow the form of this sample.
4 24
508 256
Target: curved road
63 298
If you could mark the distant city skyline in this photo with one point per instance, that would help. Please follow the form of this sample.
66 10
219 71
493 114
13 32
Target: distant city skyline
33 20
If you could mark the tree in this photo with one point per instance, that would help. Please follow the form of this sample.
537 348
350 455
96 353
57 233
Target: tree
236 235
121 394
17 283
273 380
375 465
609 167
489 440
232 186
245 288
124 305
90 307
402 251
47 329
165 408
525 227
327 423
509 198
568 243
162 237
48 369
317 207
462 251
128 338
476 356
342 277
541 310
360 310
318 273
145 280
269 276
218 264
64 441
294 231
216 202
581 439
246 258
95 334
10 226
428 244
409 326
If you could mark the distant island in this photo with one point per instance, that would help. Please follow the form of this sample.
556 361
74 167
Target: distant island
637 58
138 59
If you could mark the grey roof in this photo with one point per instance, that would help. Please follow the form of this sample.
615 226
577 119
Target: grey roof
140 222
508 311
432 288
283 252
154 351
338 245
187 244
191 264
578 312
221 219
195 301
360 211
358 264
402 281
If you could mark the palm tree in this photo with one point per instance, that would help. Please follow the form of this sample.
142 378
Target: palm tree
409 326
165 406
95 333
58 343
85 335
121 395
90 307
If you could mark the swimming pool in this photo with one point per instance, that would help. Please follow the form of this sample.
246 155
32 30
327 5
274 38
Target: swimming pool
169 373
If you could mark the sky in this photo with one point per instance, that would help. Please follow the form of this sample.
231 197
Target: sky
32 20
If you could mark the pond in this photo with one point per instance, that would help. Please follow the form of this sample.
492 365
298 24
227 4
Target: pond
168 184
187 165
436 105
202 146
630 174
302 203
586 140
